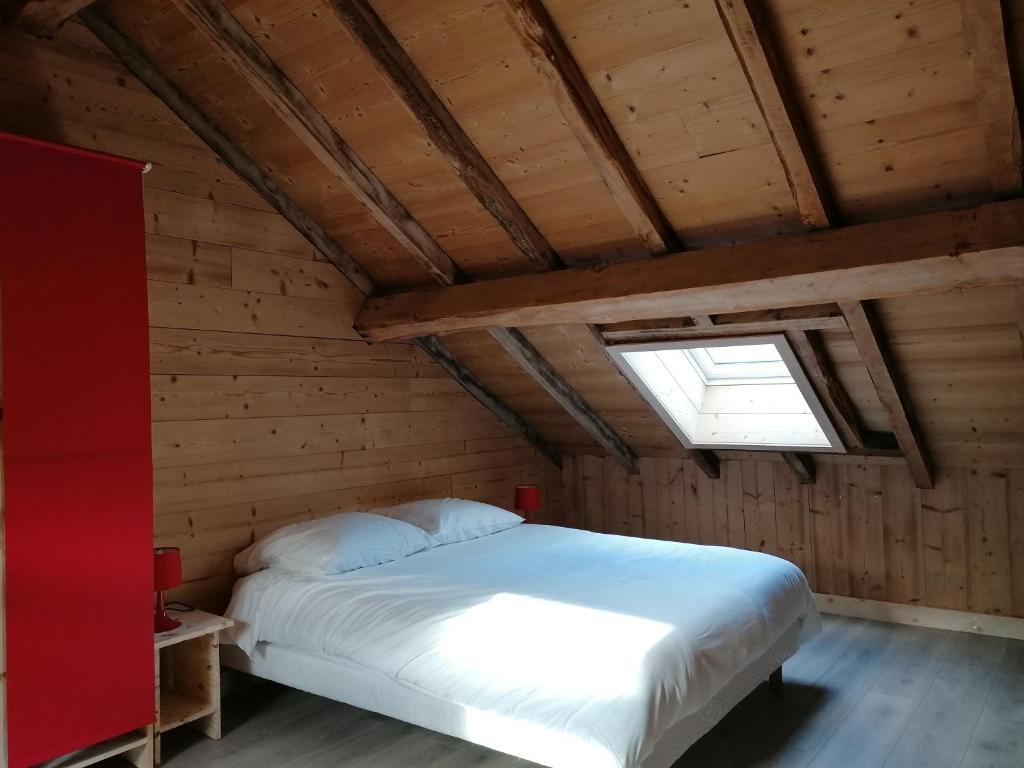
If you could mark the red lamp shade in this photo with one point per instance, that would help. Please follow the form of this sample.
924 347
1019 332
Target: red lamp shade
527 499
166 575
166 568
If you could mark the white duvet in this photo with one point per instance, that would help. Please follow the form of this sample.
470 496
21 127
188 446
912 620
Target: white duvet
564 647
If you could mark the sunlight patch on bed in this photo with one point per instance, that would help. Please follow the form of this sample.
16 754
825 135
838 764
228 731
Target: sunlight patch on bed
519 641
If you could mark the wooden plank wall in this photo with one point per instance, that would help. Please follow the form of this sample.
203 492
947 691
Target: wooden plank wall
267 409
863 530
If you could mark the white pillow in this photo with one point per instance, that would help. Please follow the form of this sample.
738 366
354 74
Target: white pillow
451 520
335 544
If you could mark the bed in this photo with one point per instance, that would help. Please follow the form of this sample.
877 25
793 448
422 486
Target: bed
562 647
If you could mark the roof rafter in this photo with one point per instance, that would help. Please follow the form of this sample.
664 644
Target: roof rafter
884 373
40 17
752 38
831 392
802 465
927 253
313 130
985 30
391 60
589 122
149 74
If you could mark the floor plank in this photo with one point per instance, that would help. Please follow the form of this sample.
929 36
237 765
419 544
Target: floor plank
862 694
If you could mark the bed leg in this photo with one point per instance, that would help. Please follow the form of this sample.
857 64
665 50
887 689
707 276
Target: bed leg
775 683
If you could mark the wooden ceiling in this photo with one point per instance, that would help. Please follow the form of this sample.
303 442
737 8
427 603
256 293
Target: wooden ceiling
895 107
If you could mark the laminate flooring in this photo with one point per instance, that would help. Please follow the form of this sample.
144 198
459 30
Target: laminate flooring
861 694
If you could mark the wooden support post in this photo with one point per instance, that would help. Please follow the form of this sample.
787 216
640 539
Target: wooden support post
437 122
998 114
752 38
802 465
891 392
150 75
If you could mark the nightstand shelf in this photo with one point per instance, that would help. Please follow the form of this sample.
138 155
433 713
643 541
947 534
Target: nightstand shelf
188 675
134 746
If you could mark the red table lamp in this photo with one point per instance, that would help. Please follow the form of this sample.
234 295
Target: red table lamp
166 575
527 500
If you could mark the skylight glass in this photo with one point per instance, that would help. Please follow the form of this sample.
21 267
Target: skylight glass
736 393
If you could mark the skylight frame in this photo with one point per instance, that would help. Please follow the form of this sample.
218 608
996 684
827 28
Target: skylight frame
796 371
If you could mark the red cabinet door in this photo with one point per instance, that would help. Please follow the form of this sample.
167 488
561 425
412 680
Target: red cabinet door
77 449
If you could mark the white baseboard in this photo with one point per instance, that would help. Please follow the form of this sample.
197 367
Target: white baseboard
922 616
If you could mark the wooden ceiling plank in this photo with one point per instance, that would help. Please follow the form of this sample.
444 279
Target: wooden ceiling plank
753 40
248 169
921 254
438 123
527 356
443 357
811 352
582 111
162 86
985 32
40 17
391 60
313 130
892 394
802 465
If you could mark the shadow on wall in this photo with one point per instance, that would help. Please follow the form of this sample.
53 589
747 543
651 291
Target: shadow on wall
26 108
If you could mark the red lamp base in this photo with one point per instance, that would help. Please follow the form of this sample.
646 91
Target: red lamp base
162 622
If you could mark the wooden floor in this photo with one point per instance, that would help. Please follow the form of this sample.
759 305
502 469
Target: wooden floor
862 693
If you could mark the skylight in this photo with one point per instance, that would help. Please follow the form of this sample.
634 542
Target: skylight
745 393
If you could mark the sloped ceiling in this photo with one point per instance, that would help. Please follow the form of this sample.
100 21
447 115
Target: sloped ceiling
886 87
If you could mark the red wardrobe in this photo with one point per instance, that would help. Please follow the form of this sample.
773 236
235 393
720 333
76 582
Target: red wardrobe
77 479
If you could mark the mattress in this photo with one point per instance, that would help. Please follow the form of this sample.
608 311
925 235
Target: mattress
349 683
563 647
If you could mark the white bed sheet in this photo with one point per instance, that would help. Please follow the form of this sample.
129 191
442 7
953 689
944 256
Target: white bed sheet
350 683
563 647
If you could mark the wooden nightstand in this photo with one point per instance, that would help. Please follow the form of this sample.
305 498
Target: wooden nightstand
188 675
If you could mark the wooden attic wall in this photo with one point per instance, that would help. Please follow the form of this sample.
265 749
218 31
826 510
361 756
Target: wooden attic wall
862 530
266 407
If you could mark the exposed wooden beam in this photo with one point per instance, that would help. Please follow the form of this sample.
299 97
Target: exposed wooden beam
524 353
740 324
151 76
316 133
443 357
367 28
587 119
40 17
313 130
985 32
830 390
802 465
752 37
928 253
891 392
248 169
